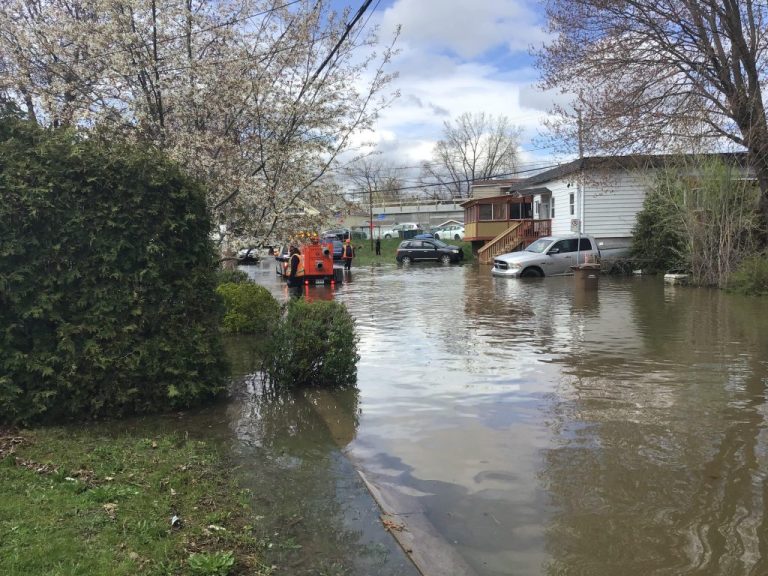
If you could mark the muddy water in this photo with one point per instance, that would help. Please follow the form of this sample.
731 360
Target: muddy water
543 428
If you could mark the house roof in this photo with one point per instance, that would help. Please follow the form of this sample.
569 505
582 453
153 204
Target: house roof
496 182
628 162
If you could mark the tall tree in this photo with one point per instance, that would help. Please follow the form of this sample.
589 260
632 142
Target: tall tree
375 180
663 74
256 97
473 147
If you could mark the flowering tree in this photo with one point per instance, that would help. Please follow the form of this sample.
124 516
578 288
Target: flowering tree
255 97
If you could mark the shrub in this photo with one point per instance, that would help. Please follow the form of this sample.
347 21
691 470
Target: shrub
701 217
231 277
315 346
107 280
658 241
751 277
250 309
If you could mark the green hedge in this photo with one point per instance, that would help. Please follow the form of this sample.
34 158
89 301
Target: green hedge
107 278
250 309
751 277
658 241
315 346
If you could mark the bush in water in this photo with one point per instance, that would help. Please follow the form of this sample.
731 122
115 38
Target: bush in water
315 346
751 277
107 280
250 309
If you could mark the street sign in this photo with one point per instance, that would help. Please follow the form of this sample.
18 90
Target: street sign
575 225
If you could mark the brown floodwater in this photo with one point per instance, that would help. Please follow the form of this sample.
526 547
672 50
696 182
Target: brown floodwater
542 427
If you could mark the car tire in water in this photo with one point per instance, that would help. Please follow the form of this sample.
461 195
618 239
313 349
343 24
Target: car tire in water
531 273
405 260
445 259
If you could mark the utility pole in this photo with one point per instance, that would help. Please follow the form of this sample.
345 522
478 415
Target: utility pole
579 184
370 214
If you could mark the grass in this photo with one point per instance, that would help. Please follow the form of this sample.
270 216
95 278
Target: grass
77 502
365 256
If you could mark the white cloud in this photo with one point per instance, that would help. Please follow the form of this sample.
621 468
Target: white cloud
455 57
467 29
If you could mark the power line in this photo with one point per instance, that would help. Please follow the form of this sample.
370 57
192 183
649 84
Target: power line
461 181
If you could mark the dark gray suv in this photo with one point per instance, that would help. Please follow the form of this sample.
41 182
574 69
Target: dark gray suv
435 250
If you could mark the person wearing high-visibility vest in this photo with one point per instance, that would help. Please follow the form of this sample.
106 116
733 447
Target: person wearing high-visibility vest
295 267
347 254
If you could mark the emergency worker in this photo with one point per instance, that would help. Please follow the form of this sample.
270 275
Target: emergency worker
347 254
295 267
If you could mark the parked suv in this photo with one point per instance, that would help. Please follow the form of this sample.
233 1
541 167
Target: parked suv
548 256
417 250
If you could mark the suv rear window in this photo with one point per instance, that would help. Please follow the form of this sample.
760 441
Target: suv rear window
405 244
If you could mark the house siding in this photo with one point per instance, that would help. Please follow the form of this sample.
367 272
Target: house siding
611 203
561 223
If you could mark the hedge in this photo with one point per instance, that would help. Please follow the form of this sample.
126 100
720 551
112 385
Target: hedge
107 280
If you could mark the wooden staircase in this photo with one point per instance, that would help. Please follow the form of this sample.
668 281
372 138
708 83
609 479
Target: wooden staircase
522 232
507 241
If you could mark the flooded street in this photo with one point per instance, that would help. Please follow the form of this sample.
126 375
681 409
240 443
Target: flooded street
541 428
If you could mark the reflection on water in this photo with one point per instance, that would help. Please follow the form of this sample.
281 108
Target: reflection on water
546 428
322 518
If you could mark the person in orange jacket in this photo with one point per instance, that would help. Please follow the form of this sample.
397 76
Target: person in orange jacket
347 254
295 268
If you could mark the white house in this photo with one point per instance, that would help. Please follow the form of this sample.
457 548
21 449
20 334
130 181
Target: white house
600 196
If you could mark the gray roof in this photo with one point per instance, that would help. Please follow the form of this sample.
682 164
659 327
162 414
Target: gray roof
629 162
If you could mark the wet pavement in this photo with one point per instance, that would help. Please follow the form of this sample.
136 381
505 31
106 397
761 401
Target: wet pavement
539 427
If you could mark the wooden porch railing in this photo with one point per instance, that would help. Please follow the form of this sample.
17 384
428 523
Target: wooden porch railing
519 233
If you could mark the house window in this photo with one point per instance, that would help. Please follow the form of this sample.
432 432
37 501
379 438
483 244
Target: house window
572 202
552 211
538 208
493 211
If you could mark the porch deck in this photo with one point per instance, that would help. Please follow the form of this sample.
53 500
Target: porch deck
515 234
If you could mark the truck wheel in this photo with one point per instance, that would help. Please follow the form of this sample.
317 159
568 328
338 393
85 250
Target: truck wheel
437 236
531 273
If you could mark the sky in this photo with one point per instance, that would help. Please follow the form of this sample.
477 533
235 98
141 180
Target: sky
459 56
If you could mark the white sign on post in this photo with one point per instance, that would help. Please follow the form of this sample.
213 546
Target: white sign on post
575 225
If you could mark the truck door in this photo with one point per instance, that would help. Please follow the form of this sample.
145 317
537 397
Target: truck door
562 256
585 248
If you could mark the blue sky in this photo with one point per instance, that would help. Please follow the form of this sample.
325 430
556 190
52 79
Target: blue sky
461 56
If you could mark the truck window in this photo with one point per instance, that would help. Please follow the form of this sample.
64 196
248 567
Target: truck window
566 245
585 244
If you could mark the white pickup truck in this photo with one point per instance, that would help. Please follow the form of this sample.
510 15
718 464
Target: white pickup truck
548 256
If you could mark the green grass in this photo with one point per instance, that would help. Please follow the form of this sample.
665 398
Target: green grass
365 256
74 502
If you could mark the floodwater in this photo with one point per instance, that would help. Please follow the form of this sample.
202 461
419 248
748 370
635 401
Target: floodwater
541 427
